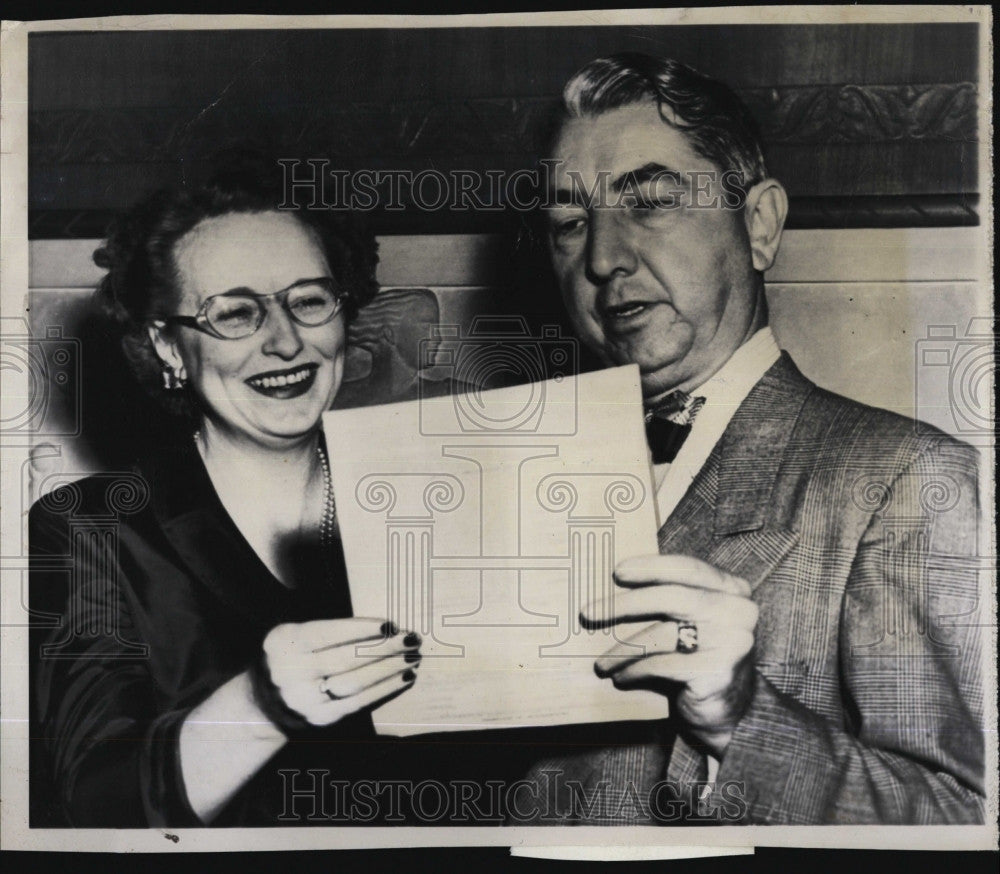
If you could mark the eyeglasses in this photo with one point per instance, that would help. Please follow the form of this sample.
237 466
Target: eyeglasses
239 313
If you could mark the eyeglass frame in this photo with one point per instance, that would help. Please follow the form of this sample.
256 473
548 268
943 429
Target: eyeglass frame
199 321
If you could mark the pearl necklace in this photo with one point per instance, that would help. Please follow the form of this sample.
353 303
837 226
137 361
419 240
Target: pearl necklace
328 522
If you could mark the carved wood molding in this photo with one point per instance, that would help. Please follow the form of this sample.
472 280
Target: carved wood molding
105 158
509 126
865 113
911 211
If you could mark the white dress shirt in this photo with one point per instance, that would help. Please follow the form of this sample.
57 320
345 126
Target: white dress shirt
723 393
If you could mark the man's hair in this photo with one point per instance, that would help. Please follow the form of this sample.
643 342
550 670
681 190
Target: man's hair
715 121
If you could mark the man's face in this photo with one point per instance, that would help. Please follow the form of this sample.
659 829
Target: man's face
672 290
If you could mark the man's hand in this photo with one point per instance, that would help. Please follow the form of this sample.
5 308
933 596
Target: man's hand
713 683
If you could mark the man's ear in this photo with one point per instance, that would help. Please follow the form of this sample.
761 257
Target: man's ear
765 212
166 349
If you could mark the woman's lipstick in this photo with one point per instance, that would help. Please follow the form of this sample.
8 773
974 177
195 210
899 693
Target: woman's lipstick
284 384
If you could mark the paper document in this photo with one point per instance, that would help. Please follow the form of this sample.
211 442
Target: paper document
486 522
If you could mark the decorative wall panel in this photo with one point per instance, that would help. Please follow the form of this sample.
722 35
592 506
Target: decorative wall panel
865 125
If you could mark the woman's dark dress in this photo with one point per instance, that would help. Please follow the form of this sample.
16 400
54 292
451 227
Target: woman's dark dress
180 603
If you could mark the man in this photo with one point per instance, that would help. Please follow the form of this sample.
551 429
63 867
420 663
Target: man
813 607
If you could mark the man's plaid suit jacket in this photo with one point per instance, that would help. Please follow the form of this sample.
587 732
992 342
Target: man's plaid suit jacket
857 530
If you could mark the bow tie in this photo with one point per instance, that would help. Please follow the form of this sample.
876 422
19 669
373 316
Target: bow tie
669 423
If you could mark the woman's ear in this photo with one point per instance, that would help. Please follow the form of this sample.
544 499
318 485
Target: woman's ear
166 349
765 212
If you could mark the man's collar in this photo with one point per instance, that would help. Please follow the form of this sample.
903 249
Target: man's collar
744 369
724 393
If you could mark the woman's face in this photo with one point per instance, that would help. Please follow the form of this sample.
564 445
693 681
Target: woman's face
274 385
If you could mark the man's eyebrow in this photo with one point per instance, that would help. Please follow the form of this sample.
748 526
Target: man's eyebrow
645 173
565 197
571 195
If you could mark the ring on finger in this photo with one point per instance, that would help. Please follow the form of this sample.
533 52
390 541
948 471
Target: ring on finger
687 637
325 689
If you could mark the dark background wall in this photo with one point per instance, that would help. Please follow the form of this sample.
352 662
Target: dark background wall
868 125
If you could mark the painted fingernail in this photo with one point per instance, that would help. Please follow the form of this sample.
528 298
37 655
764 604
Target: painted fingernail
409 676
411 657
389 629
412 639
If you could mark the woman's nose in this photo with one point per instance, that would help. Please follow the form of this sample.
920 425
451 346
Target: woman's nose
281 334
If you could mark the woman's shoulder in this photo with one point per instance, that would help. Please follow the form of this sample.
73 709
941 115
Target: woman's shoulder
119 494
108 498
127 490
108 493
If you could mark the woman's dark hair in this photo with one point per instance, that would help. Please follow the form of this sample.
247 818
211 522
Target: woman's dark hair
142 281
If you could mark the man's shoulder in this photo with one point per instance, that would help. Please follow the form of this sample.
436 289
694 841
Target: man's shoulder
839 426
875 438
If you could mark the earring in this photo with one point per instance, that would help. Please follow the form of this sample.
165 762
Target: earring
171 381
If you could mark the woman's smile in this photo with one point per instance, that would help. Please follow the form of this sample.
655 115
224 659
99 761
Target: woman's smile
283 360
284 384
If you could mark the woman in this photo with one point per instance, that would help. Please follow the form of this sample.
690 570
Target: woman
225 642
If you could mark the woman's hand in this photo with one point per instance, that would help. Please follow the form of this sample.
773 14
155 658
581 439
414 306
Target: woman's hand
330 668
323 670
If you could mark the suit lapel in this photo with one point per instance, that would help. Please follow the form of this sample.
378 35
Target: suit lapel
753 446
730 516
206 539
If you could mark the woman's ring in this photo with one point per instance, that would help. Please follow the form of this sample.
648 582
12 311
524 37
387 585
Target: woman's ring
687 637
326 690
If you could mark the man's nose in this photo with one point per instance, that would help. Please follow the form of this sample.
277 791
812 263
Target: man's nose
281 333
609 246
